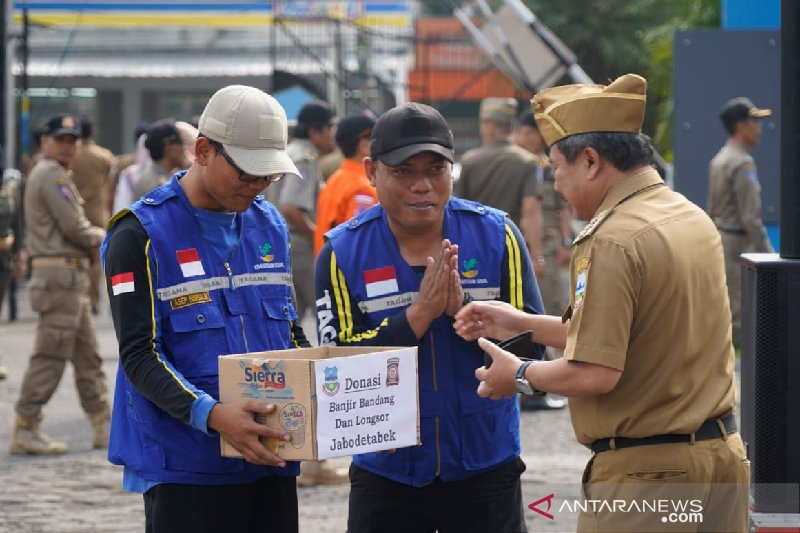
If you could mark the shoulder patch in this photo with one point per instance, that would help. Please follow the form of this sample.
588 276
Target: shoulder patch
65 191
592 225
752 174
581 273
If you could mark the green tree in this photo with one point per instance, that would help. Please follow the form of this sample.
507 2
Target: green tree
613 37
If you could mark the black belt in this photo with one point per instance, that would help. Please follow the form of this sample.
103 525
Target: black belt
732 231
709 430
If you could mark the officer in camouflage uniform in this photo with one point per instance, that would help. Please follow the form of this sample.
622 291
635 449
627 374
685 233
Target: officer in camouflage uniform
554 246
12 253
62 244
734 196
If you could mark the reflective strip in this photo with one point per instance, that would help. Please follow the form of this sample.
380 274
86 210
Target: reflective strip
484 293
222 282
199 285
387 302
407 298
262 278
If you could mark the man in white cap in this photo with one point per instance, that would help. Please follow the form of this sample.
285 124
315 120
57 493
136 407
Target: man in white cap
176 263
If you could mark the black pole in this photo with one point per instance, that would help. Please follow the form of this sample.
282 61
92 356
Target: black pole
790 130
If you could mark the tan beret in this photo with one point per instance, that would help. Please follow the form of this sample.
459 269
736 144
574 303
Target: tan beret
497 109
571 109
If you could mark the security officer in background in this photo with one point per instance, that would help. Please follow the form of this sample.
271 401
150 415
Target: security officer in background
12 251
500 174
62 244
648 360
296 199
93 168
556 242
734 196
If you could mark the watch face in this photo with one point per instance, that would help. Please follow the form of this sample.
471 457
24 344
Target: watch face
524 387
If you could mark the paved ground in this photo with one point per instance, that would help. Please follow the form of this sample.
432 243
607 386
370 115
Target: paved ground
79 492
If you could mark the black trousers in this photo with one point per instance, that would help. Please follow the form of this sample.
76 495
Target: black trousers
490 502
268 505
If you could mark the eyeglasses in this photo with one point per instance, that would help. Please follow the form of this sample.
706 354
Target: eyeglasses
243 176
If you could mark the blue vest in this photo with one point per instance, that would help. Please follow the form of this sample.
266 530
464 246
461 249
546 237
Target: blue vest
204 307
461 433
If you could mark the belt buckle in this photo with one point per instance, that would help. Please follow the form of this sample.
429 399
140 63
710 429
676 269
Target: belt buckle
73 261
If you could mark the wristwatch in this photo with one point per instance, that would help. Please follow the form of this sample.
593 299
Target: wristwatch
523 385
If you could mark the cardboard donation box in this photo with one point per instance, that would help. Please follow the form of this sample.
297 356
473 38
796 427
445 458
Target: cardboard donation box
331 400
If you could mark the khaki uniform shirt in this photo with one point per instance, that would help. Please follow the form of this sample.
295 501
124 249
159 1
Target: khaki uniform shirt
499 175
552 205
54 219
92 171
649 298
734 195
152 176
299 192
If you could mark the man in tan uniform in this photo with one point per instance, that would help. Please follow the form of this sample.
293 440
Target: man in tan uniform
93 168
734 196
648 359
500 174
62 244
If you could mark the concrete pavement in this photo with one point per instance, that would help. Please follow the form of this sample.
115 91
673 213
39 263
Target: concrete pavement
80 492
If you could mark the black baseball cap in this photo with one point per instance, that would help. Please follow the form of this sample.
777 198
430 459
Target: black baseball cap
62 124
162 134
353 127
410 129
315 113
738 109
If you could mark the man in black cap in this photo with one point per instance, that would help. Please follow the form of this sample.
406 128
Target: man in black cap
734 196
165 146
395 275
347 192
62 244
93 168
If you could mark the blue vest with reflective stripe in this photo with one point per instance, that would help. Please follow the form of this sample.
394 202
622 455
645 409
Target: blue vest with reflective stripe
206 309
461 433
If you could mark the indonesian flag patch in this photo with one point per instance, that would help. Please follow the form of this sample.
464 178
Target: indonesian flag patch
122 283
380 281
190 263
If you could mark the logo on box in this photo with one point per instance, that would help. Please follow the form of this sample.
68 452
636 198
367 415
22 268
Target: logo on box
331 385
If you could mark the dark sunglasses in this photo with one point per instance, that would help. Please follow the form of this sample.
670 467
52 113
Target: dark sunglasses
243 176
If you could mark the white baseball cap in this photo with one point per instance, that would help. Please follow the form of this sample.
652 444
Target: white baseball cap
251 126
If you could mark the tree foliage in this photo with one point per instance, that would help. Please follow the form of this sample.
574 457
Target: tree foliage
613 37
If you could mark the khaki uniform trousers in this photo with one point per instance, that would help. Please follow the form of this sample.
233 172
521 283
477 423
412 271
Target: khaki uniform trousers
733 246
554 288
303 273
65 332
711 477
95 274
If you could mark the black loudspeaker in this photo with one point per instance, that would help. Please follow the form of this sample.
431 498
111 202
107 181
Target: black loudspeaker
770 373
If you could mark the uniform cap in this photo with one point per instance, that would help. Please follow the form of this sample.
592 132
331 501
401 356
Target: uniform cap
500 110
315 113
410 129
62 124
584 108
161 134
354 127
738 109
251 126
